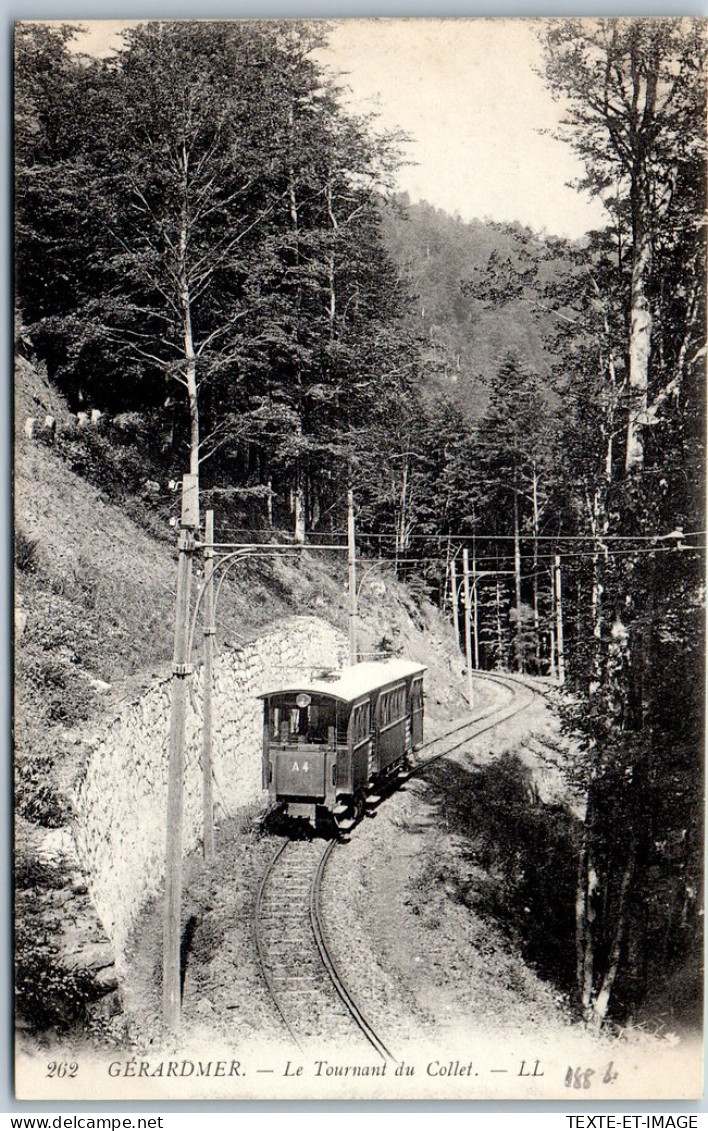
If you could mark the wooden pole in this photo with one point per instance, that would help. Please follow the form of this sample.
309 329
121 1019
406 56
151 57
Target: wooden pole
468 626
475 612
559 621
353 609
209 633
517 585
500 658
552 631
171 935
455 613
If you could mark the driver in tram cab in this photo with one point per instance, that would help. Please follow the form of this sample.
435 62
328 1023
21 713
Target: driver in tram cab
318 725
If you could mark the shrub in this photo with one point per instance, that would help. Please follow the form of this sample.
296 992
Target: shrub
48 994
25 552
36 797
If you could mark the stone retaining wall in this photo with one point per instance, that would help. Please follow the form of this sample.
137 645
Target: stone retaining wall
120 803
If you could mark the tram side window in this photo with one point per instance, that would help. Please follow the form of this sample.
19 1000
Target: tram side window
393 706
360 724
385 710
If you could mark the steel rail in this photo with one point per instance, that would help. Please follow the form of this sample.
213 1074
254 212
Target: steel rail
329 967
317 926
318 931
259 941
501 716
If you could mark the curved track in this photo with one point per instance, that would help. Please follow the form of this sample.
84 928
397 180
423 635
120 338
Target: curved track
459 735
305 984
303 980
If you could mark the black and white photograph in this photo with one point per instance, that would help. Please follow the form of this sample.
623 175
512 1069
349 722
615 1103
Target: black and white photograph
359 559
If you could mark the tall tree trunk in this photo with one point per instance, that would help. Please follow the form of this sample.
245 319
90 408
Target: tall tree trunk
599 523
642 263
402 526
299 500
331 262
639 349
190 358
585 916
185 298
192 394
601 1002
536 617
299 506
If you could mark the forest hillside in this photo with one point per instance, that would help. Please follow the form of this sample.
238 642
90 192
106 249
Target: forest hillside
215 273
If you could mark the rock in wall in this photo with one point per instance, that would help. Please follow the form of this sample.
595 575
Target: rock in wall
121 800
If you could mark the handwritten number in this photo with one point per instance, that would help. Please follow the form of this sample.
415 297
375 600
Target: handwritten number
579 1078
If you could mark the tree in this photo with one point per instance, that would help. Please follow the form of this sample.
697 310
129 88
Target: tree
50 86
181 188
215 215
636 109
511 479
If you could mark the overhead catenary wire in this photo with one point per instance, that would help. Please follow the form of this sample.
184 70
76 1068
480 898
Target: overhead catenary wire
491 537
483 559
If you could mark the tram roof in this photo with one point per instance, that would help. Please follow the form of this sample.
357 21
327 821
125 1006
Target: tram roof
350 683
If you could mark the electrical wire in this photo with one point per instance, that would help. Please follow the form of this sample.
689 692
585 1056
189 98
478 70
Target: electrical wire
536 559
467 538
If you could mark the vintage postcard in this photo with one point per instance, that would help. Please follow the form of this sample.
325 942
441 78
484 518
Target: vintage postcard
359 559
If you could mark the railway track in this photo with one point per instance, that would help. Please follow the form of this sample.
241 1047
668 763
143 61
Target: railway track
304 982
461 734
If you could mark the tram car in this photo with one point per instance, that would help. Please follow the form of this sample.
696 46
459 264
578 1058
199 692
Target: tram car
332 742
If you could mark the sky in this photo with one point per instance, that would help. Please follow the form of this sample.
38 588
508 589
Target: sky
466 92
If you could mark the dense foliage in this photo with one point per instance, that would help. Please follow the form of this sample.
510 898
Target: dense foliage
205 246
200 241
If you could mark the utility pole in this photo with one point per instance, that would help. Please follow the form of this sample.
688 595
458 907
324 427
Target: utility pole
551 627
455 614
209 633
475 610
517 584
468 626
559 620
353 610
182 669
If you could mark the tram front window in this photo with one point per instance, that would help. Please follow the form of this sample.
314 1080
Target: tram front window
310 724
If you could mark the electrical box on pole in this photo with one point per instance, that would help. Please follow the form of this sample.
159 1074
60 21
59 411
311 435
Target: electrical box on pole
190 502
